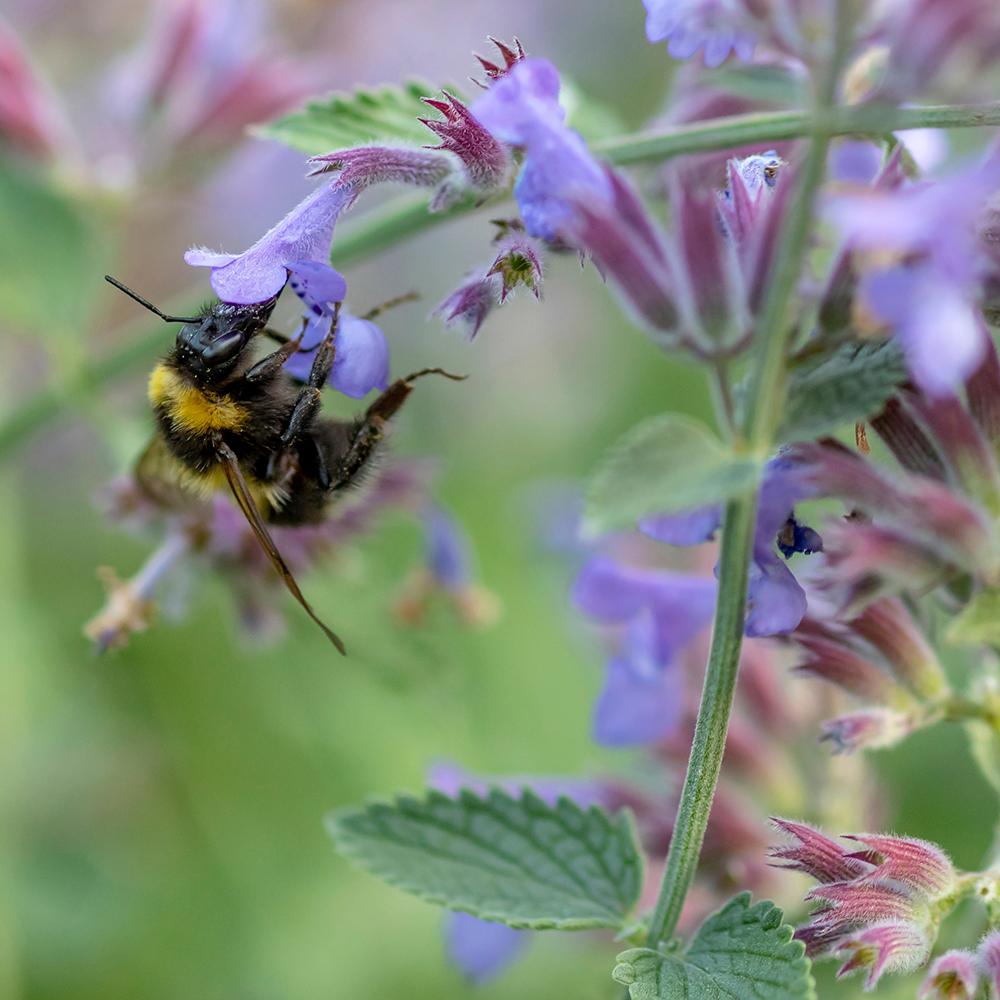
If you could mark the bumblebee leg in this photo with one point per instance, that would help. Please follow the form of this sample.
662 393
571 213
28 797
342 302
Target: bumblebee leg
270 364
309 398
370 429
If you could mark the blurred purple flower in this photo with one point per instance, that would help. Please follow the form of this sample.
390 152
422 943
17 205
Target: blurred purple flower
642 698
716 26
926 293
447 568
201 71
926 37
775 600
482 949
361 359
522 109
301 241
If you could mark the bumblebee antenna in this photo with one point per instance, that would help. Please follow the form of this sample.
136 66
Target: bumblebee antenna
149 305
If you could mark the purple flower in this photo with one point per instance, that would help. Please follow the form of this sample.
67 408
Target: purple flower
641 701
775 600
925 267
867 729
482 949
300 242
522 109
717 26
361 359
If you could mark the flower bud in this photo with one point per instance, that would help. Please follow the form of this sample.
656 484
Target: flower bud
868 729
952 976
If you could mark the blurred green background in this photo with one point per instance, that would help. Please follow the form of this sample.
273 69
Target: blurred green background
161 808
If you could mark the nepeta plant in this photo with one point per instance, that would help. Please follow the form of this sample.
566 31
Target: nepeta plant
831 292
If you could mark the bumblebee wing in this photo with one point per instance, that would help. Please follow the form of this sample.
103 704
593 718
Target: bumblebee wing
245 501
160 476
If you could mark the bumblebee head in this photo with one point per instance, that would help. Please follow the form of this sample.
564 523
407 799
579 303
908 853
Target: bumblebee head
209 345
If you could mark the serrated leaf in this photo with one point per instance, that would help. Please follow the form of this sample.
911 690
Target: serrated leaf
386 114
665 464
742 951
390 113
978 623
519 861
853 384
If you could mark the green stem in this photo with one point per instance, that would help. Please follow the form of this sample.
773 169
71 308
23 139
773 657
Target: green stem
760 419
709 741
408 216
772 126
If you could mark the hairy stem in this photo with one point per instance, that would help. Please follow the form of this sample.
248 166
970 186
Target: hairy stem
408 216
760 420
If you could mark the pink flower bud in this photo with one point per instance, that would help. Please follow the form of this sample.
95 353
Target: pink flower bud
485 160
815 854
868 729
952 976
889 946
989 959
890 628
922 866
470 304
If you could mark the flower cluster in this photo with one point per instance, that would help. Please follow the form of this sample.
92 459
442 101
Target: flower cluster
879 905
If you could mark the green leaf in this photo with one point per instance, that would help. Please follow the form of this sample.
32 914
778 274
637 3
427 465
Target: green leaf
390 113
742 951
664 465
339 121
50 256
978 623
519 861
852 384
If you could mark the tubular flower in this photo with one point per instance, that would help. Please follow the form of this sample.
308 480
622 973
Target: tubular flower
298 244
361 359
922 267
468 158
522 109
878 906
718 27
775 600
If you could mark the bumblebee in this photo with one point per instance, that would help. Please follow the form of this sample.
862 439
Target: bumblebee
226 420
